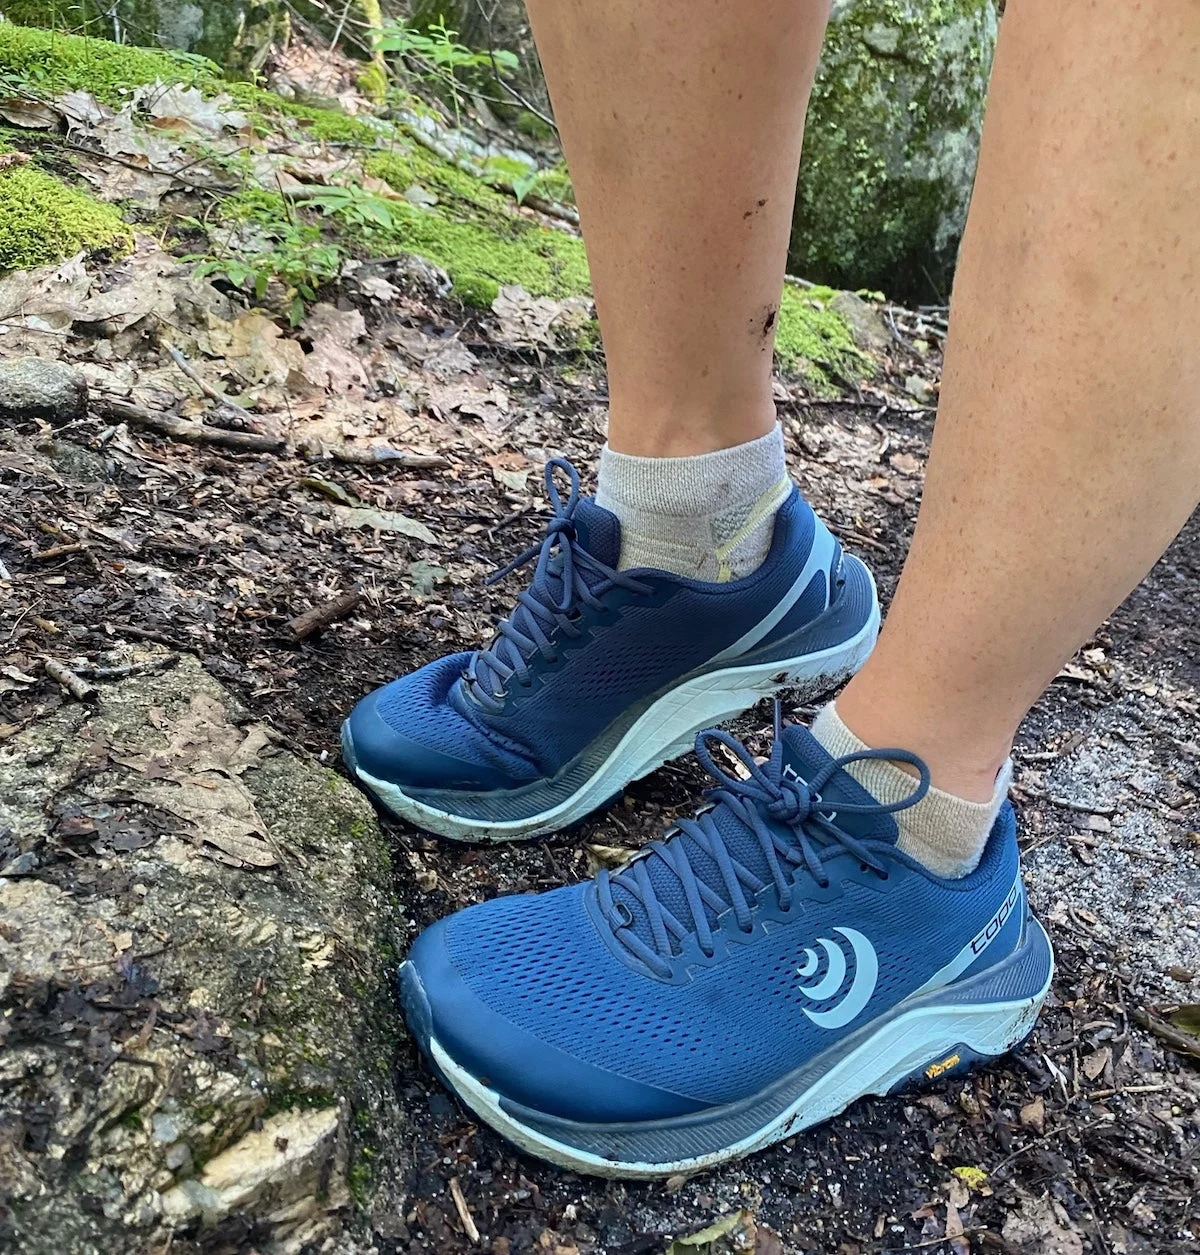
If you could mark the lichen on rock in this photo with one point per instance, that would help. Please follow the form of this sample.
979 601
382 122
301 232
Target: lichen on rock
891 143
190 1039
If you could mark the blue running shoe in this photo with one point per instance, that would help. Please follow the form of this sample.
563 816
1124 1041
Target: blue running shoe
750 975
599 676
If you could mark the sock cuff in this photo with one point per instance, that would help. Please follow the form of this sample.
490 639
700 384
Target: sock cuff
702 484
944 832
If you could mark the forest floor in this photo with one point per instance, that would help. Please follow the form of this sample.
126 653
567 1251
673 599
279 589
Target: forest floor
402 438
1086 1137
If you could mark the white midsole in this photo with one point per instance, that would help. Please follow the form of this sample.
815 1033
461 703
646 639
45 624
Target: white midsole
901 1046
662 732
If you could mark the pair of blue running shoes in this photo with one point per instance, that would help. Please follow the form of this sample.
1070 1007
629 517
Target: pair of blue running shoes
762 965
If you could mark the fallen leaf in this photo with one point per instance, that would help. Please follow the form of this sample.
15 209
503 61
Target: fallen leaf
197 778
1096 1062
1040 1227
425 575
382 521
973 1178
905 463
31 115
730 1233
1187 1017
332 363
1033 1115
327 488
610 856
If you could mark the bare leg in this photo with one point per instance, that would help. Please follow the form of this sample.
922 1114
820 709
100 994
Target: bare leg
1067 448
682 123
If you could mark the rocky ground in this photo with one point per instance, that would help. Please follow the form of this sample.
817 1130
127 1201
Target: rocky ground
217 531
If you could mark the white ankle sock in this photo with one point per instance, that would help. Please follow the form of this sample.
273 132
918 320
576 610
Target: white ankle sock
945 833
709 517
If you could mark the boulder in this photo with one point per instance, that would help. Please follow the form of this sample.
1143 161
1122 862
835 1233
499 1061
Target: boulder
891 144
197 1028
34 387
237 35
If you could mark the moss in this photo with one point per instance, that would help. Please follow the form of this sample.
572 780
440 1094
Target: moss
284 1098
43 220
53 63
372 81
816 338
476 236
528 123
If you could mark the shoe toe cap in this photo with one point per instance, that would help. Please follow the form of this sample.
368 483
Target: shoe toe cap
522 1068
399 734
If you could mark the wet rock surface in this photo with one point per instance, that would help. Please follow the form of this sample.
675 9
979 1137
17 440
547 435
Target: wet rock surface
197 1028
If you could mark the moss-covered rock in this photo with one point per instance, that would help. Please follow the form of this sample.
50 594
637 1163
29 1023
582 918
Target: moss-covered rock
891 143
42 219
236 35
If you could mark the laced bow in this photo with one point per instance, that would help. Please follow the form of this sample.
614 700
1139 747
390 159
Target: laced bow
766 792
565 580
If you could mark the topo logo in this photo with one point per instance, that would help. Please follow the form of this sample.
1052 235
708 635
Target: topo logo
862 986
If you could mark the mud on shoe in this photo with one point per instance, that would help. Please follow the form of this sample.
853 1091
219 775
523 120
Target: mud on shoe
750 975
598 676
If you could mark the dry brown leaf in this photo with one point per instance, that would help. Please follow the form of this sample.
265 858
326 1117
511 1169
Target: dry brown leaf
333 364
1041 1227
1096 1062
197 777
1033 1115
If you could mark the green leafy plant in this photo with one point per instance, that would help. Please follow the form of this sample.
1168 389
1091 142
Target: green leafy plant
354 206
298 257
433 53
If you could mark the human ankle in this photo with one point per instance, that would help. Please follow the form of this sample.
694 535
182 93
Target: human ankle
942 829
688 427
708 516
961 761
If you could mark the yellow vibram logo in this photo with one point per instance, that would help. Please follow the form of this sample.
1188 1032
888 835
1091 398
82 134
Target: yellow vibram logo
935 1070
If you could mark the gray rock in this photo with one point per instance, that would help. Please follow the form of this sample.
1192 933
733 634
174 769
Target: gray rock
866 326
891 143
195 1004
34 387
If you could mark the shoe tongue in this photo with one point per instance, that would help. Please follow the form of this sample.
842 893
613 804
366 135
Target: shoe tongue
805 755
599 531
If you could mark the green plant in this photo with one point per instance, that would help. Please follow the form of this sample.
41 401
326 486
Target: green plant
354 206
435 55
298 257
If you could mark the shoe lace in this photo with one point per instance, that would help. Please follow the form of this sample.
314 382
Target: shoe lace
766 792
565 579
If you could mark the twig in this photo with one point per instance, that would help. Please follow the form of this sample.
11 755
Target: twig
60 551
304 625
464 1212
1182 1043
182 428
859 539
223 402
1080 808
100 155
76 685
147 634
130 668
370 455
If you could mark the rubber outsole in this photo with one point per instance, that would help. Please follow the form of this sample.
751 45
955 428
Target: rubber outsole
664 731
924 1038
